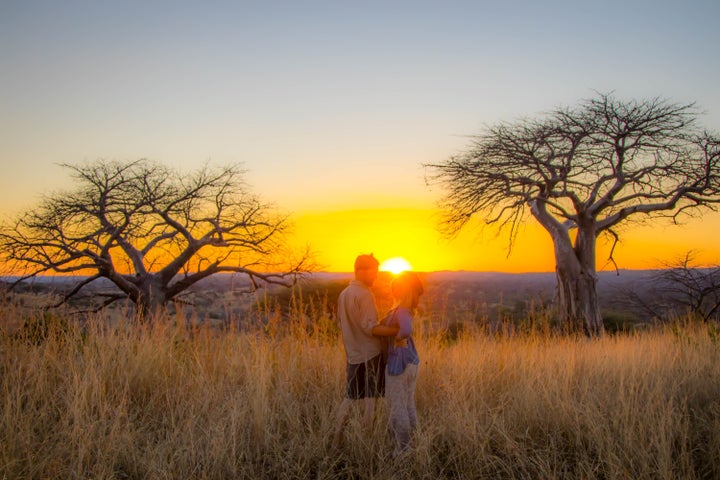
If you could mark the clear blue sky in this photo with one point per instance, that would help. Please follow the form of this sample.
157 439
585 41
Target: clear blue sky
326 103
312 95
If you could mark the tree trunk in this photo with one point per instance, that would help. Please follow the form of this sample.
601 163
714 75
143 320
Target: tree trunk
151 299
578 305
577 300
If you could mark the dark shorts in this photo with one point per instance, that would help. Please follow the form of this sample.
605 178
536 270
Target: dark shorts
366 380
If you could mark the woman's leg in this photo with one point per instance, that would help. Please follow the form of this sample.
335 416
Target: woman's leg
396 393
411 371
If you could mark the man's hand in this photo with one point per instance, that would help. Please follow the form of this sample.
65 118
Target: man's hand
400 342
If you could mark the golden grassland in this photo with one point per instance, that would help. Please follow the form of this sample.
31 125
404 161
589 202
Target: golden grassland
167 401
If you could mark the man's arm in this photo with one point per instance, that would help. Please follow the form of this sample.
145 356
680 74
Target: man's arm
369 318
385 331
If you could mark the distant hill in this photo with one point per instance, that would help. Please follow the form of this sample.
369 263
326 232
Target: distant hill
461 294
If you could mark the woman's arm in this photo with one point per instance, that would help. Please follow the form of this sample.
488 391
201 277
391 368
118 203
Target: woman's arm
405 321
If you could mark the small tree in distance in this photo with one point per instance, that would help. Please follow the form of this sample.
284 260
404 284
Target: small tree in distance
584 170
693 289
151 231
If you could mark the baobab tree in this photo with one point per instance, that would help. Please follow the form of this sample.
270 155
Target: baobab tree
150 230
581 172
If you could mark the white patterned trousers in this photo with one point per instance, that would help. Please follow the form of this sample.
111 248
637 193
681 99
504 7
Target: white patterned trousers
400 394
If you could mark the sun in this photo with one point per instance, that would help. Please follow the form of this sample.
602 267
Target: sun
395 265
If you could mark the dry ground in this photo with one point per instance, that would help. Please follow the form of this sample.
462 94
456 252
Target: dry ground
171 402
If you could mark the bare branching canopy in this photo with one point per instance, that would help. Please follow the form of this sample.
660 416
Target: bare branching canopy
150 230
604 161
588 168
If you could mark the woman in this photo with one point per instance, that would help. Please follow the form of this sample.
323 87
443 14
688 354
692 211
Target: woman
402 363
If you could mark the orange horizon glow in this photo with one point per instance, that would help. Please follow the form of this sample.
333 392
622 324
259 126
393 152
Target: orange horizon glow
337 237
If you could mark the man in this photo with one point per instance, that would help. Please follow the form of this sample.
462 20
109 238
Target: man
358 319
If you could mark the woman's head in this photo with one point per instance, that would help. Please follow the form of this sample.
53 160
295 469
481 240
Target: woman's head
407 288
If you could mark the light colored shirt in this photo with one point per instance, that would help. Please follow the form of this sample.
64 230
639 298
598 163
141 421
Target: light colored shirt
357 315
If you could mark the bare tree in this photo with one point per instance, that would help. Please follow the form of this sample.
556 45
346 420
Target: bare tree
585 170
151 231
693 289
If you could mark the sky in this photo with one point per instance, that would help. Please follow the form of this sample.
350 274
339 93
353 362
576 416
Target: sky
333 107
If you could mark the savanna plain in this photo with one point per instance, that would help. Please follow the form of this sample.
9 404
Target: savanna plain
86 397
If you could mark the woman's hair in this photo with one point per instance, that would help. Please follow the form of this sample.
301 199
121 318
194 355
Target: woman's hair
407 282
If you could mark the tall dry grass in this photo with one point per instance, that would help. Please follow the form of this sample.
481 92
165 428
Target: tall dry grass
173 402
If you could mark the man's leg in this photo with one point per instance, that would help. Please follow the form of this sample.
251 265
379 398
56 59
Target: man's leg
355 379
375 388
341 419
369 415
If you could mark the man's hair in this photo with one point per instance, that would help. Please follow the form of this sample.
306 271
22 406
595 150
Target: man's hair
408 281
366 261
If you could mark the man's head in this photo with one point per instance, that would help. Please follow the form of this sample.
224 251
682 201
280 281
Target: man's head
366 269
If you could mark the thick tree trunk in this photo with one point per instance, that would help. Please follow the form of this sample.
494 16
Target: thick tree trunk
577 299
578 305
152 298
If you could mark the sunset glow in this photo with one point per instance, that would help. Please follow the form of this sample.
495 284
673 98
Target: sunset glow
395 265
334 108
337 237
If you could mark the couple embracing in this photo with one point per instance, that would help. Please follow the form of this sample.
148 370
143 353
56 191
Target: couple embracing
381 356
